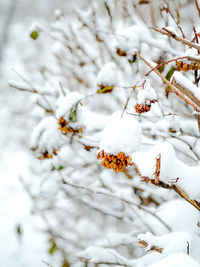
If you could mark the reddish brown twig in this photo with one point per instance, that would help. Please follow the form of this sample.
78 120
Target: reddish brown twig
197 6
180 93
164 63
168 33
144 244
157 171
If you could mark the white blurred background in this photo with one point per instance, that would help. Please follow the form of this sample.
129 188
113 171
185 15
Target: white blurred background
21 244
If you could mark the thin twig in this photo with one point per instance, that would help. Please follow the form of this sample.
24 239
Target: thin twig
100 192
157 171
197 6
164 63
173 88
168 33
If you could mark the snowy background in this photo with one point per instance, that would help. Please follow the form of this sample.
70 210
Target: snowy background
21 245
73 61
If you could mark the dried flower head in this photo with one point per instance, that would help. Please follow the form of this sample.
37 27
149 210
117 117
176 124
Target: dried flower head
186 67
67 129
116 162
142 108
120 52
46 155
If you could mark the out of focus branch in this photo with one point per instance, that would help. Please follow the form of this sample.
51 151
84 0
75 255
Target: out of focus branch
184 41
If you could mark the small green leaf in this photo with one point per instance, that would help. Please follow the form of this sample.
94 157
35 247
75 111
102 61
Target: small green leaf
73 113
19 229
108 9
61 167
104 90
34 35
168 77
170 73
53 247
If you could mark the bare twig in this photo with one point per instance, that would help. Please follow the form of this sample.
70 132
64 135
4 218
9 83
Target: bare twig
178 91
174 187
125 107
197 6
187 93
100 192
164 63
144 244
168 33
167 9
157 171
48 264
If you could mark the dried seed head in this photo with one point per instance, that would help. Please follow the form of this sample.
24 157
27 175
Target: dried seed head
66 129
120 52
46 155
116 162
186 67
142 108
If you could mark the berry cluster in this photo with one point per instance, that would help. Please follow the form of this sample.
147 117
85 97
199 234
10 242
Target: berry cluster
144 107
46 155
186 67
117 163
64 129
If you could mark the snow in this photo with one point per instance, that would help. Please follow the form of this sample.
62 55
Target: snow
146 93
98 254
46 136
108 75
34 27
171 169
175 242
121 135
174 214
182 80
176 260
65 104
76 50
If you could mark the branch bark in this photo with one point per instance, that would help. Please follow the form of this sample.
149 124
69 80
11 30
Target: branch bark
184 41
144 244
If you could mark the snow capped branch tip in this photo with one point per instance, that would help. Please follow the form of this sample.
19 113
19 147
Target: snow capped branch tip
145 245
172 34
146 96
189 91
120 137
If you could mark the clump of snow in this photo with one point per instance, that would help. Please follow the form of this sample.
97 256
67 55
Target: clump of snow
171 169
35 27
66 103
185 82
46 136
98 254
146 94
175 242
177 221
130 38
108 75
176 260
121 135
